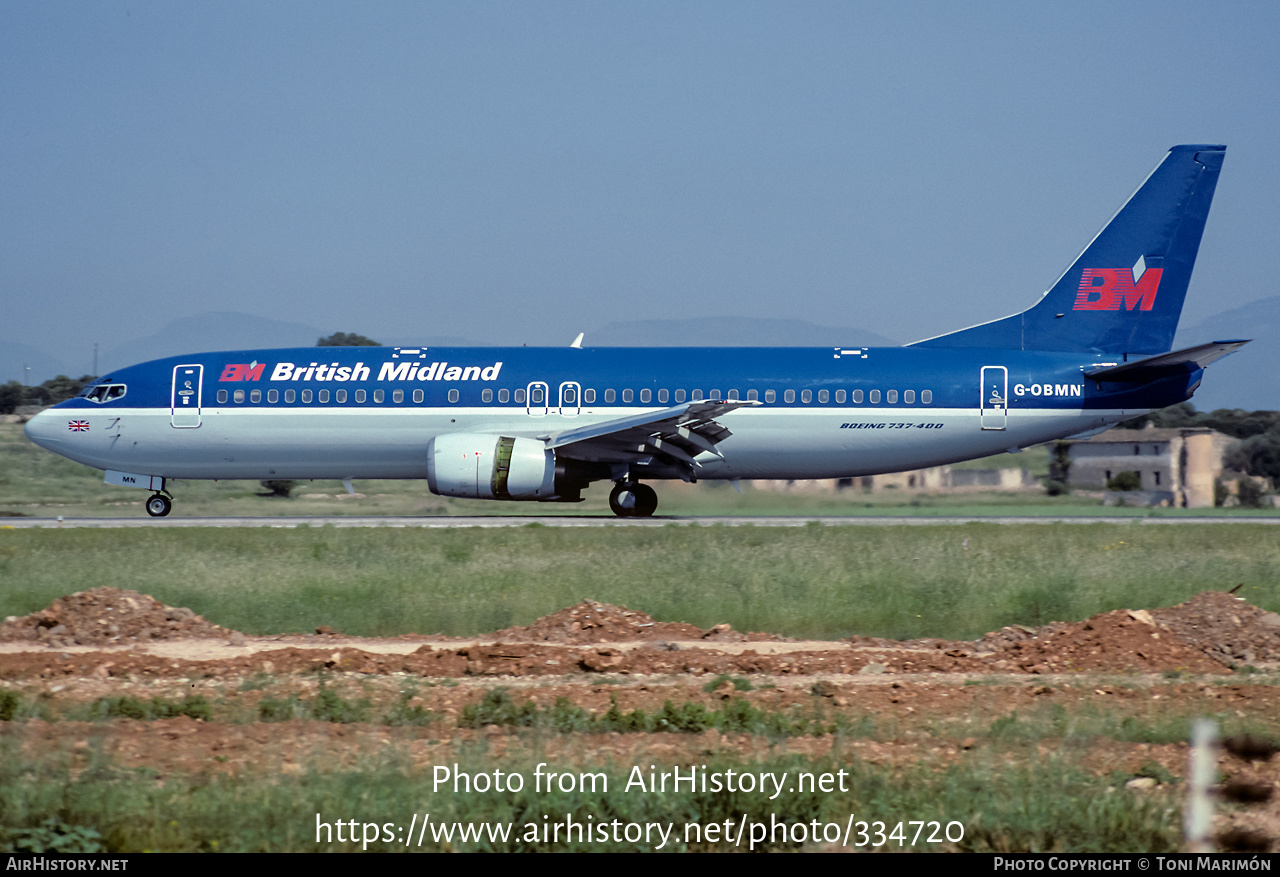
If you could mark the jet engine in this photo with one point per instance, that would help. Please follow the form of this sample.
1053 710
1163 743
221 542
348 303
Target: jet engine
491 467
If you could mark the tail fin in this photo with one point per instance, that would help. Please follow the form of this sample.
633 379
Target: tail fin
1124 293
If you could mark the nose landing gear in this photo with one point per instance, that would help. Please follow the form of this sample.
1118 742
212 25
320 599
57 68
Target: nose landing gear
159 505
631 499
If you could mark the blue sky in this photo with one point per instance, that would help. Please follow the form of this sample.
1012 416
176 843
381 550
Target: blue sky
520 172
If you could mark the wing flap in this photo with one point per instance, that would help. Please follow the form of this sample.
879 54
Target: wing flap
680 433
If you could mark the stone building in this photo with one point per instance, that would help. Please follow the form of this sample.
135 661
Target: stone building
1175 467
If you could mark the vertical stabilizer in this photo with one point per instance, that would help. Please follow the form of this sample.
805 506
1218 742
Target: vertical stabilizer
1124 293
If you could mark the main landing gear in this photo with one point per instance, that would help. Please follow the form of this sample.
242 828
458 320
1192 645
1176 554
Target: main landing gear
631 499
159 505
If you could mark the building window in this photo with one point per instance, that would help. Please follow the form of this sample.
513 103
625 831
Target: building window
1137 450
1157 477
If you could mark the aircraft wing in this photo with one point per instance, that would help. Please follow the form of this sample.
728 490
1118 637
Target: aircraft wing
1164 365
681 433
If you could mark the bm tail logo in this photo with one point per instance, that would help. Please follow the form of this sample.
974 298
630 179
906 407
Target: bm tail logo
1105 289
241 371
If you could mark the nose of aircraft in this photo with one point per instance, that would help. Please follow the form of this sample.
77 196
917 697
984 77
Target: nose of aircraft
43 429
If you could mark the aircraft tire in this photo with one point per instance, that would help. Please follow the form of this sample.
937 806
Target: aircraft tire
159 505
615 500
646 501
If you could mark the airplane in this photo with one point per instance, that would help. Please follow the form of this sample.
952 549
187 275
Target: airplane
541 424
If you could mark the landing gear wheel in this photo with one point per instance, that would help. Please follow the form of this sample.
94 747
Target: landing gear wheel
159 505
630 499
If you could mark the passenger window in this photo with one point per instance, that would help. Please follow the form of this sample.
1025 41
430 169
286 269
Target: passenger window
733 395
892 397
378 396
679 395
753 395
663 396
535 396
570 396
453 395
504 395
222 397
840 397
255 396
486 396
519 397
306 395
806 396
360 395
324 395
397 396
715 396
238 395
588 396
857 397
290 395
926 396
789 396
417 396
273 396
909 396
823 396
875 397
646 395
341 395
610 396
697 396
626 395
770 395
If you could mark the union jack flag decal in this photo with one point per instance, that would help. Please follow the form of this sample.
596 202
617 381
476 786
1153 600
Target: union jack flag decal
78 426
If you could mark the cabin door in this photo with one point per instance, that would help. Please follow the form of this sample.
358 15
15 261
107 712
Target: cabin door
185 400
994 403
570 399
538 402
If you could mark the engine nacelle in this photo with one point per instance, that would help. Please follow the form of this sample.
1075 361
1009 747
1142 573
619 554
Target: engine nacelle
490 467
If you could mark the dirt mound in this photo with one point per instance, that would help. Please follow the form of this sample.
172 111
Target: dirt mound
592 622
107 616
1224 627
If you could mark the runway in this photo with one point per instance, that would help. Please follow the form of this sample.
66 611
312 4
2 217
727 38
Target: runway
609 521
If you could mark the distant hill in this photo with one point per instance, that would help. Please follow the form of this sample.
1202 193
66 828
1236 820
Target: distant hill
1250 378
15 358
729 332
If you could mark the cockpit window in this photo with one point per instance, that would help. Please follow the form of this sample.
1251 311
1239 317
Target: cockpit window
106 392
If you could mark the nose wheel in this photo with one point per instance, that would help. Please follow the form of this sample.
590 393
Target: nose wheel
159 505
631 499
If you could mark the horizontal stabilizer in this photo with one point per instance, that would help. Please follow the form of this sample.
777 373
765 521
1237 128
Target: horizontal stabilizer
1177 362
